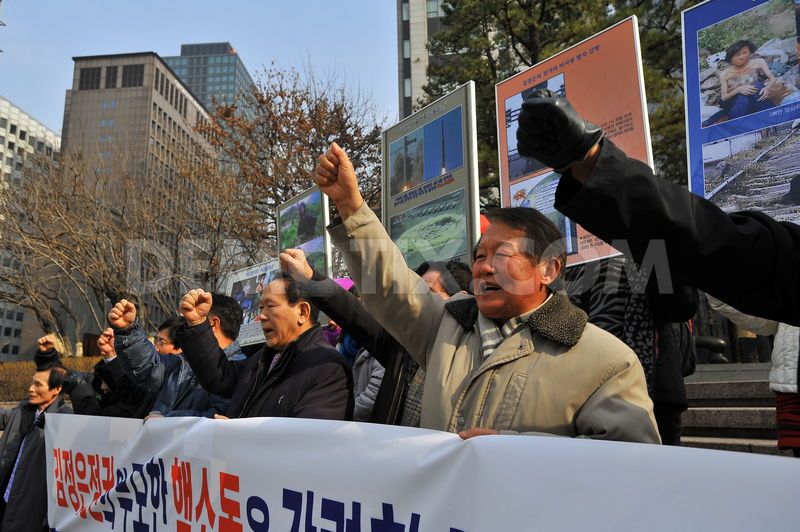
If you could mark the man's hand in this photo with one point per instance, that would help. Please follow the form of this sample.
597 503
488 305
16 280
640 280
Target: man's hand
106 344
122 315
476 431
220 416
336 178
293 262
46 343
195 306
552 132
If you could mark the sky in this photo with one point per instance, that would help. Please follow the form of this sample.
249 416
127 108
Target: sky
356 40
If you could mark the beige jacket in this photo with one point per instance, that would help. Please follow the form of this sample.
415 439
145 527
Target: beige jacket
558 375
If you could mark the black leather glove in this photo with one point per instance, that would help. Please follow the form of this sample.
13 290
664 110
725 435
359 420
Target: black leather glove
552 132
71 381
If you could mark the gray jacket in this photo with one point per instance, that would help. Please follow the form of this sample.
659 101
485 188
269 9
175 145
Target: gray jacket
367 378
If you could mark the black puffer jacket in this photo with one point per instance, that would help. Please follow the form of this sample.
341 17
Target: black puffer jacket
311 379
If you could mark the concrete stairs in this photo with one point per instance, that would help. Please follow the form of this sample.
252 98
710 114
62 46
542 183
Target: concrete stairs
731 408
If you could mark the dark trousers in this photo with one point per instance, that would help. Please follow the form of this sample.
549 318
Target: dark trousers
668 418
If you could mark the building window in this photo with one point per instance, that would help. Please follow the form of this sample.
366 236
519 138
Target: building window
111 77
132 75
407 87
3 123
13 129
406 49
89 79
4 350
404 11
14 349
19 316
9 314
7 332
434 8
22 134
17 333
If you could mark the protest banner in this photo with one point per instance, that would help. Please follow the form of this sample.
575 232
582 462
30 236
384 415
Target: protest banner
301 224
602 79
743 104
245 287
430 183
285 474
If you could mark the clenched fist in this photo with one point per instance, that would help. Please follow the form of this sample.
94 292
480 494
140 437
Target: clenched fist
122 315
552 132
106 344
293 262
46 343
336 178
195 306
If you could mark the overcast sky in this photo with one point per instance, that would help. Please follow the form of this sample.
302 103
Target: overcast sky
354 39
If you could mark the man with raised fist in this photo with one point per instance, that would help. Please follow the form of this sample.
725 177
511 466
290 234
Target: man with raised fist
168 377
517 356
745 259
23 464
296 374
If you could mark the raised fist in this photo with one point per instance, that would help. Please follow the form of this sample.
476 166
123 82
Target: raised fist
72 381
336 178
122 315
195 306
106 343
293 262
46 343
552 132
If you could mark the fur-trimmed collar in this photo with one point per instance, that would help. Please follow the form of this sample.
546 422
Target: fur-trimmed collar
557 319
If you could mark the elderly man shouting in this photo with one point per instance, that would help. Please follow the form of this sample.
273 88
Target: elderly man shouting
515 357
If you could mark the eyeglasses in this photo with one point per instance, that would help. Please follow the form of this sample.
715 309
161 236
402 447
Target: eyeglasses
162 341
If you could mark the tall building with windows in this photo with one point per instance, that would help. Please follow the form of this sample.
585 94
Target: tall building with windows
133 108
21 136
417 21
212 70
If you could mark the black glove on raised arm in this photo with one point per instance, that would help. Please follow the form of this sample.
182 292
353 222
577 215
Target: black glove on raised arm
72 381
552 132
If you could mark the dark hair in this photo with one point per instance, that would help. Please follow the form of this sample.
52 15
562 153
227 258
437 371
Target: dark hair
57 375
736 47
172 324
229 312
543 239
295 295
455 276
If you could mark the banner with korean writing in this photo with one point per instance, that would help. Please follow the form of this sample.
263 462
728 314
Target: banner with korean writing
245 287
602 79
743 104
430 180
276 474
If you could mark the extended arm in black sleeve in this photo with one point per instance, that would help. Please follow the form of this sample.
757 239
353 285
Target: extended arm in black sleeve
212 368
351 315
746 259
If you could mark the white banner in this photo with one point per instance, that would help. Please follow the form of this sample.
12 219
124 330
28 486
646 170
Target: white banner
291 474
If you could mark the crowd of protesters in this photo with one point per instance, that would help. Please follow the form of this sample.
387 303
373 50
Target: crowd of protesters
510 344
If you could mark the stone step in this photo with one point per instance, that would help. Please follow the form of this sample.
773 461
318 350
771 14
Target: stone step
758 371
730 394
730 422
741 445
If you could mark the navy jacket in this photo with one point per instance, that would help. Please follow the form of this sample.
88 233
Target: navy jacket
170 377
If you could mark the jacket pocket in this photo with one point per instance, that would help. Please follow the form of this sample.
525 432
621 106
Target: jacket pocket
511 399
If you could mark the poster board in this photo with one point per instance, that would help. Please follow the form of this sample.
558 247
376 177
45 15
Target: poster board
743 104
245 287
430 180
301 224
602 79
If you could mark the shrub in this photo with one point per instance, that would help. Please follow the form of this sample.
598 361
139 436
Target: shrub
15 377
